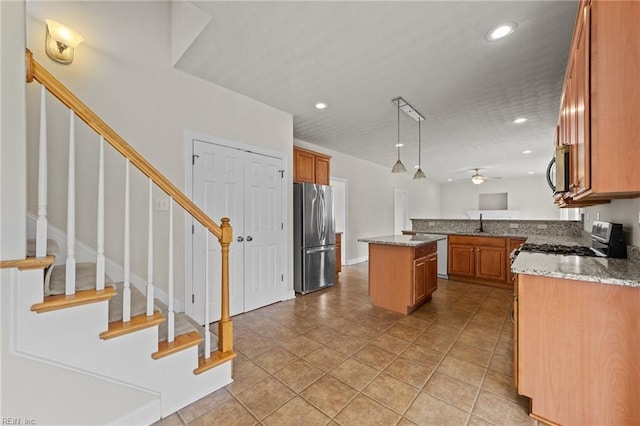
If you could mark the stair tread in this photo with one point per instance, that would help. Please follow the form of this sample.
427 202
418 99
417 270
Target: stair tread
137 323
216 358
181 342
138 303
85 278
52 248
52 303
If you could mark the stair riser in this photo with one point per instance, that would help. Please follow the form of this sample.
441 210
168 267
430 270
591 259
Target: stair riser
70 337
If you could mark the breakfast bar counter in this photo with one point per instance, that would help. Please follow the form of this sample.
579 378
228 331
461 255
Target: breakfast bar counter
402 270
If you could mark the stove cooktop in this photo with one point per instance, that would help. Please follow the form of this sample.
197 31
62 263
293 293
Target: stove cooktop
558 249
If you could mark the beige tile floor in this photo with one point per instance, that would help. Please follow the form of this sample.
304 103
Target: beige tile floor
330 357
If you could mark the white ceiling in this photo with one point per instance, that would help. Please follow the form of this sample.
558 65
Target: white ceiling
358 56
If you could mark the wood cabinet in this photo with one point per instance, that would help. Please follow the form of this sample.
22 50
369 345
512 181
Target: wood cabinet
482 260
310 166
338 254
401 278
577 350
601 102
514 243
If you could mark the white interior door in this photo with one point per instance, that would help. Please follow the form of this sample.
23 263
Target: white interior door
218 188
264 231
400 211
247 188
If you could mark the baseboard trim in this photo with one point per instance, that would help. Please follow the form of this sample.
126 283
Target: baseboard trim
357 260
145 415
84 253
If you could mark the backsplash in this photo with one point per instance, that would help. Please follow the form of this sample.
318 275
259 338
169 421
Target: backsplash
504 227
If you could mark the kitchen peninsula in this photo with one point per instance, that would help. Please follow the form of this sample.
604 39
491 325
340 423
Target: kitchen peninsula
402 270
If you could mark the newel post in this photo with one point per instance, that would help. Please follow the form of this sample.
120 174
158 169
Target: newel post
225 327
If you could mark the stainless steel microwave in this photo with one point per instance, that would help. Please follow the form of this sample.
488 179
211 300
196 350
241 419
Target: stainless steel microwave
561 165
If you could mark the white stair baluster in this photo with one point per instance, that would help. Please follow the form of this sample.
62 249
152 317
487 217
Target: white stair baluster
70 283
41 224
170 314
150 254
207 334
100 237
126 294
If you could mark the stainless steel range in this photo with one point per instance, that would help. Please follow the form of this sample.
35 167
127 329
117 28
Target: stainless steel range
607 240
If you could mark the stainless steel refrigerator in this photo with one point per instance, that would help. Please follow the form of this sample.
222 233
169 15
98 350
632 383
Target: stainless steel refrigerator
314 237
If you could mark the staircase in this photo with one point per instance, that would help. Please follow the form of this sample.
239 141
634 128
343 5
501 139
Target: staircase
72 314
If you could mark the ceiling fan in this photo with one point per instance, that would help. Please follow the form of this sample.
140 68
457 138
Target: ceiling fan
478 178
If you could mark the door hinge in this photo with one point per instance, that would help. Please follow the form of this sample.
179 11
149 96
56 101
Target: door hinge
193 298
193 229
282 277
281 225
193 158
281 174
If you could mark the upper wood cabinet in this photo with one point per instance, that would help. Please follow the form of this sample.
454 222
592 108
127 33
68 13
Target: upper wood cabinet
310 166
600 103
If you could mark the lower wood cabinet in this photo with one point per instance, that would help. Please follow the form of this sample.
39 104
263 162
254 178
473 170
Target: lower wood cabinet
576 347
483 260
401 278
338 254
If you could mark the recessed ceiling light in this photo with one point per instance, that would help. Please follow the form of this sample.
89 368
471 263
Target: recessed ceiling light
449 180
321 105
399 144
528 151
531 173
520 120
501 31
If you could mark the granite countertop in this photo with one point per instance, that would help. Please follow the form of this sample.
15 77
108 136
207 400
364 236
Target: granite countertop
403 240
595 269
473 233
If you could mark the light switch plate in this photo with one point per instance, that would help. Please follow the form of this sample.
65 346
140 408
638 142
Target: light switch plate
598 216
432 224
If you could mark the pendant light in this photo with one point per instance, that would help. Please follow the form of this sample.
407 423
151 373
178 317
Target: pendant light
398 167
419 173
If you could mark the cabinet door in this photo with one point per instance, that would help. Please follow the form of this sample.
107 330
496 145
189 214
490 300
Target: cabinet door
304 166
420 277
491 263
338 254
432 273
322 170
581 99
514 243
462 260
516 381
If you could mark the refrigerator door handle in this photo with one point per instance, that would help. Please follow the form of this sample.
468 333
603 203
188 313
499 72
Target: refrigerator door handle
319 249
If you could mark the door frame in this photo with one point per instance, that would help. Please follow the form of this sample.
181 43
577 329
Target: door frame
345 183
188 137
396 194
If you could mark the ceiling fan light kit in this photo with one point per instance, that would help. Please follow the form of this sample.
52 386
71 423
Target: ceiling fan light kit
398 167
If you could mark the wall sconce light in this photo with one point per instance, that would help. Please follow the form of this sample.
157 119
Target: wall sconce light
60 42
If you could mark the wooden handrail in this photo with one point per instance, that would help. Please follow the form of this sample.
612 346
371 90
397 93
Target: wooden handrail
35 71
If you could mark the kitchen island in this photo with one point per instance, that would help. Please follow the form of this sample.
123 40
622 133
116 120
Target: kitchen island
402 270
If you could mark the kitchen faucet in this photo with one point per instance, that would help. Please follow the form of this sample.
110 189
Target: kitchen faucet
481 228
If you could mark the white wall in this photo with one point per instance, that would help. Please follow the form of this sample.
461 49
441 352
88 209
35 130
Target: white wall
619 211
370 198
530 195
123 72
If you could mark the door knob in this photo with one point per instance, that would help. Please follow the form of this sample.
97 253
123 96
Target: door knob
249 238
240 239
